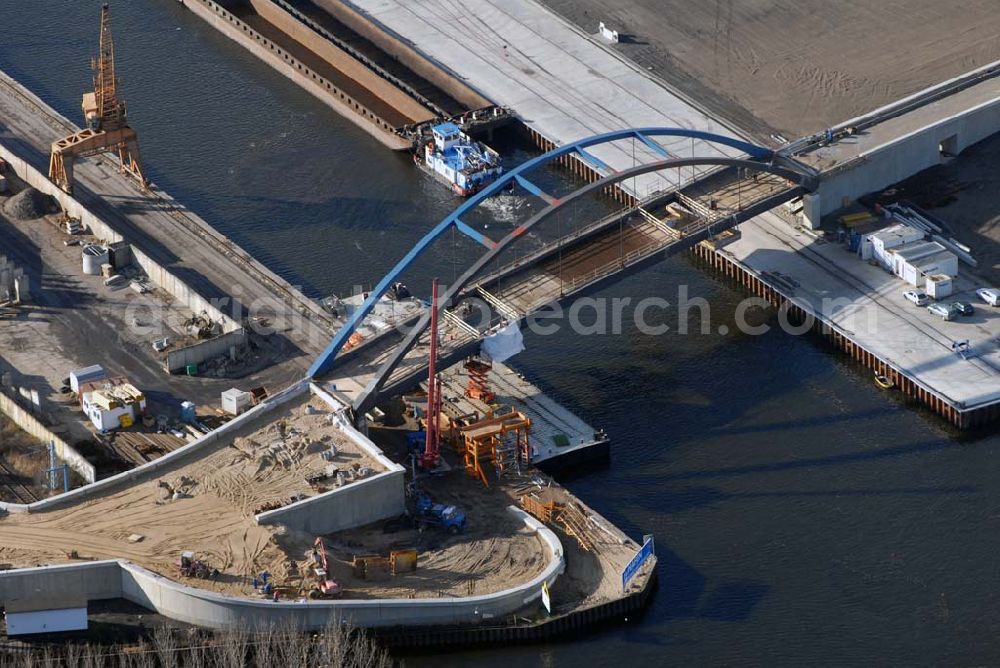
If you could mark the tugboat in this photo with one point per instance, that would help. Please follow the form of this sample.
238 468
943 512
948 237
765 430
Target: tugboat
467 166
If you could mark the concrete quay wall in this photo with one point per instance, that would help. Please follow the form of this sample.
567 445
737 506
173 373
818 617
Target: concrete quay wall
122 579
396 47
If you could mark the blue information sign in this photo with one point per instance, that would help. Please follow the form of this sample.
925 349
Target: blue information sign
644 553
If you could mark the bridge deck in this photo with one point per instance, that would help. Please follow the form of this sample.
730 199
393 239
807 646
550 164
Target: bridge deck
565 268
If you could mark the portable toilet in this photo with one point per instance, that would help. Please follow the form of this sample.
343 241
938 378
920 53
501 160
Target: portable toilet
187 412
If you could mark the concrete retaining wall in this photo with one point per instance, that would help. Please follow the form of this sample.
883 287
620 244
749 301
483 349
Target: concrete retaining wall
34 178
403 52
903 157
356 504
196 606
362 502
159 275
29 423
238 31
177 360
154 468
92 580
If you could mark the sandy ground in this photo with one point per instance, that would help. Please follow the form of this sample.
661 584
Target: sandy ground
797 66
964 195
494 542
268 464
493 553
213 517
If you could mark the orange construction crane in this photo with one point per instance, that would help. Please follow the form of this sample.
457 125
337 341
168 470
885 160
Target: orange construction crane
104 115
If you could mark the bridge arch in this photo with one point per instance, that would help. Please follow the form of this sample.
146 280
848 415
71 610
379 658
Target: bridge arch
760 160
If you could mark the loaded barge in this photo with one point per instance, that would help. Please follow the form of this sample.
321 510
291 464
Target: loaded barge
351 64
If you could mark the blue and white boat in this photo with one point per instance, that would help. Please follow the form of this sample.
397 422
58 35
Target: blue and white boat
467 165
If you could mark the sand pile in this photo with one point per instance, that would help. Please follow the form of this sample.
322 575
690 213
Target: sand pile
27 204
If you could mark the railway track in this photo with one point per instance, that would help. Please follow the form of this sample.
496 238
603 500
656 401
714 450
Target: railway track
15 489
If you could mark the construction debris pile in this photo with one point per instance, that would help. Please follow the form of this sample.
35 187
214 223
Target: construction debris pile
27 205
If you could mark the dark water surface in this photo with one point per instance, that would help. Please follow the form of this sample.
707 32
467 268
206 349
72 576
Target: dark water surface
801 514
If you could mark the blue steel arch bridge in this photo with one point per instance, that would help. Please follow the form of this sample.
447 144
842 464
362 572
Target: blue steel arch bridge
728 182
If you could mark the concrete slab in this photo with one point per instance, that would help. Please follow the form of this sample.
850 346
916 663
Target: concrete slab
868 303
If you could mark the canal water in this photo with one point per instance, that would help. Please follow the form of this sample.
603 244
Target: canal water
801 515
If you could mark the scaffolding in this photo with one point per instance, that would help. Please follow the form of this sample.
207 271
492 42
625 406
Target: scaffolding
499 440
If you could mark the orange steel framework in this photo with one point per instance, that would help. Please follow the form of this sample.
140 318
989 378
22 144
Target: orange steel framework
104 115
478 386
501 440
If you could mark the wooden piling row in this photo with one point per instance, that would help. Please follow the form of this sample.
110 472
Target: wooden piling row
733 270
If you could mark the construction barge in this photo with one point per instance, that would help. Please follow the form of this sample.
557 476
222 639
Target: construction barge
355 67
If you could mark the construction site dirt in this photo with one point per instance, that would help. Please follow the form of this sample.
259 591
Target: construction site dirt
207 507
759 63
593 564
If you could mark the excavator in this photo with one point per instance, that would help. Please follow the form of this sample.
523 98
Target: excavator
325 586
107 129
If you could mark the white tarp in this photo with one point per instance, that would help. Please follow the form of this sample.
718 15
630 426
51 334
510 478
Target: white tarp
504 344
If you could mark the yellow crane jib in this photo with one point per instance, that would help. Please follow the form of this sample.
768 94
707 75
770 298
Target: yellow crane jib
107 129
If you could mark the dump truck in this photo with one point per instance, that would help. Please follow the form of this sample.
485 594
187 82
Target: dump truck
428 513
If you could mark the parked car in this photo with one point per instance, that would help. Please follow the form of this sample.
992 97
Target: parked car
918 297
989 295
943 310
963 308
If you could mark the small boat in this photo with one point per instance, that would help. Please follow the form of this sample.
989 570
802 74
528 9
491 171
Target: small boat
467 166
884 381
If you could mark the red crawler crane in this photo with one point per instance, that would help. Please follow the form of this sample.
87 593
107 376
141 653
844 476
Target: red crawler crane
432 445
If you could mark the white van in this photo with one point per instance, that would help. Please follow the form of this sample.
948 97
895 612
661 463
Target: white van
989 295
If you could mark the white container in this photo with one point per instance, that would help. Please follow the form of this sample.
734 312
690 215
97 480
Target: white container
87 374
939 286
235 401
93 257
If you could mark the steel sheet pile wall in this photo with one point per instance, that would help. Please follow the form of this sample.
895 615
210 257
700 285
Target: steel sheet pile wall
731 268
